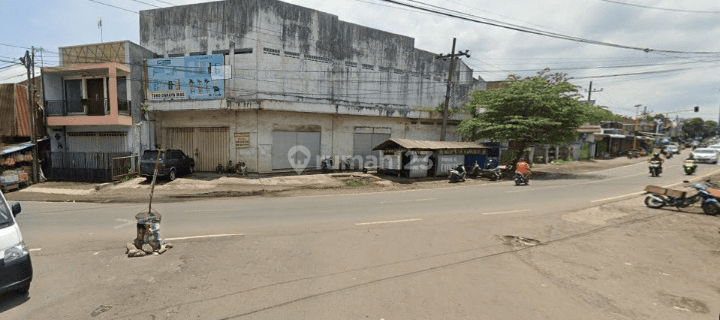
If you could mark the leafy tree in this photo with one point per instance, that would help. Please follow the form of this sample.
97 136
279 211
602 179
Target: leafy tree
696 127
542 109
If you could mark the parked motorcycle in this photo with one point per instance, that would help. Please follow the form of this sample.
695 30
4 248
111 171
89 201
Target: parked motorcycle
689 167
326 164
632 154
521 179
659 197
668 155
457 173
655 168
490 171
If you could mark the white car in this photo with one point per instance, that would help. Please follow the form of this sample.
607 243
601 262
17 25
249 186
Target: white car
715 147
672 148
705 155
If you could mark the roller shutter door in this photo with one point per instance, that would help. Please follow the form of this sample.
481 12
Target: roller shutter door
363 143
283 141
207 146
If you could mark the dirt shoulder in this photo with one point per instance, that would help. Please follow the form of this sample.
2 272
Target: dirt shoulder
206 185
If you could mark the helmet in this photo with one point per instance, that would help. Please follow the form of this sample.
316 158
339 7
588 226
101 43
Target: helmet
521 159
656 153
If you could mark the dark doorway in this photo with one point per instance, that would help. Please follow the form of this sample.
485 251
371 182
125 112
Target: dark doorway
95 97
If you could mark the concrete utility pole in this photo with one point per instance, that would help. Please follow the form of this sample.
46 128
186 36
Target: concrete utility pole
29 61
590 91
453 56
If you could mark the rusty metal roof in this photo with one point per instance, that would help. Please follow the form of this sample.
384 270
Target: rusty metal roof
589 129
395 143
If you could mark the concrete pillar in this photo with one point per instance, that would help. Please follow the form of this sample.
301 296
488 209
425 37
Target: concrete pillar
547 154
112 86
593 146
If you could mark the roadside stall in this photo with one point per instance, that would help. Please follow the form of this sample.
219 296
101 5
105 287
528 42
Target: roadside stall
15 166
420 158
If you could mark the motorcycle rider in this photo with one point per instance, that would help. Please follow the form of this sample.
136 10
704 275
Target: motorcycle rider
656 157
691 160
523 168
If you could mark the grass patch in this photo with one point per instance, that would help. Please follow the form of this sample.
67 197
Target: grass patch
356 183
559 161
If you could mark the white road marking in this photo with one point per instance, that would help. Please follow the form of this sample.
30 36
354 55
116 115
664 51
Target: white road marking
381 222
212 210
501 212
415 200
207 236
36 249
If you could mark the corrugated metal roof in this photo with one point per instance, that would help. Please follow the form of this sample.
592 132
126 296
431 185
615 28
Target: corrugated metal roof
426 145
21 111
8 126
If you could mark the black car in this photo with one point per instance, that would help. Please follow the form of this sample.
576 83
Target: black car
172 162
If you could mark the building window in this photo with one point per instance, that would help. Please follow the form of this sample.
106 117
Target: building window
398 71
368 67
243 51
198 53
385 69
224 52
415 74
351 64
292 54
175 55
317 58
274 52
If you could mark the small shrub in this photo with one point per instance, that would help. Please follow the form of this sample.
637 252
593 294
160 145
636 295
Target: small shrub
355 183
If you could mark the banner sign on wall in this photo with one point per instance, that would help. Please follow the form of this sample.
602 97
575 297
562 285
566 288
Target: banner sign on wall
186 78
242 140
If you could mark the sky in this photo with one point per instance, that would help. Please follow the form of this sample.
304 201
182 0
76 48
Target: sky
678 70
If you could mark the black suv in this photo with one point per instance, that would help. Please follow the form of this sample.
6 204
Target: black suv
171 163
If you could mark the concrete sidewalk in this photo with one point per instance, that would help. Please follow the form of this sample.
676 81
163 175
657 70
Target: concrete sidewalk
205 184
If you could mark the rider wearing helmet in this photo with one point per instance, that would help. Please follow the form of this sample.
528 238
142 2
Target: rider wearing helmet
656 157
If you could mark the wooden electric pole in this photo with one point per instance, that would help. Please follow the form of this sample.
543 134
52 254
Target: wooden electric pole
453 56
28 61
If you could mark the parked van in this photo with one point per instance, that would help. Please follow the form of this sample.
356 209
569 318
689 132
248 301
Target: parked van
15 266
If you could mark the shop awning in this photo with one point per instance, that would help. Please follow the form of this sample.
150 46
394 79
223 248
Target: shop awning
395 144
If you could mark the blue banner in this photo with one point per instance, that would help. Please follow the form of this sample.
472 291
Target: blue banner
186 78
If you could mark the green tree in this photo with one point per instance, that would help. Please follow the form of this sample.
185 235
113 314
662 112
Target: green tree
542 109
697 127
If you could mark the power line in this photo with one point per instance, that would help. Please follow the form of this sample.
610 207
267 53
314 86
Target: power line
535 31
658 8
116 7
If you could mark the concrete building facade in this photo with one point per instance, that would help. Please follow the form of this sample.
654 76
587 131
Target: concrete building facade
285 75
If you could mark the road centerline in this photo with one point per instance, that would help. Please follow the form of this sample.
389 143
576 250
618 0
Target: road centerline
384 222
412 200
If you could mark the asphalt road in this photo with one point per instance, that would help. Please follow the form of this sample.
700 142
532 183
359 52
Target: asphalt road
422 254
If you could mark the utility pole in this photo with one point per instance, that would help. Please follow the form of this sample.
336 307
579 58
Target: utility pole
590 91
453 56
28 61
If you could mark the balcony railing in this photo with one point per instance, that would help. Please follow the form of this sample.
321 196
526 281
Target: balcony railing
89 107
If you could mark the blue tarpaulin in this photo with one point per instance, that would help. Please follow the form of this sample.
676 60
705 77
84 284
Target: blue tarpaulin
15 148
